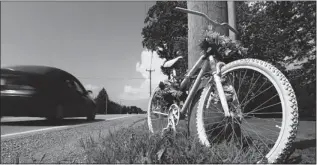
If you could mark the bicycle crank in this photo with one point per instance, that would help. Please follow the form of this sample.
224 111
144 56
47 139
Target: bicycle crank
173 118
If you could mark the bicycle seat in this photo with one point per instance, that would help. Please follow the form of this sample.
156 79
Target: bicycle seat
171 63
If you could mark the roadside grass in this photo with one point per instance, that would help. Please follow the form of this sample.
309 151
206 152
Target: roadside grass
17 159
138 145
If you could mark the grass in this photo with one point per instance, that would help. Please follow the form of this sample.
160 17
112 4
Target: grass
16 159
137 145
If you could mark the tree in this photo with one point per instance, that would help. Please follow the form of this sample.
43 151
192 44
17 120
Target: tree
102 101
107 106
114 108
125 110
165 32
284 33
284 29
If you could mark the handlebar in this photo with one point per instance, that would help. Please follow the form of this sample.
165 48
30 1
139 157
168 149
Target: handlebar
214 23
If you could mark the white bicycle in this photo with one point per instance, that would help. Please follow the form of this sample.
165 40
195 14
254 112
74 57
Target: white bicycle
248 101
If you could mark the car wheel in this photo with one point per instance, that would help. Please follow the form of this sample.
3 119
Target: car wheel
58 114
91 116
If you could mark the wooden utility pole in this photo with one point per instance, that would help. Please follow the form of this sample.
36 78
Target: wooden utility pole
232 18
216 10
0 31
150 71
107 102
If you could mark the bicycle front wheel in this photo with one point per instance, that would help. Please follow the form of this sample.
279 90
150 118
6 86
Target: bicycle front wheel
266 105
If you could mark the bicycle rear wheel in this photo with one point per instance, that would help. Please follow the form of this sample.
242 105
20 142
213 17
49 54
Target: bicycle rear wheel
265 101
157 113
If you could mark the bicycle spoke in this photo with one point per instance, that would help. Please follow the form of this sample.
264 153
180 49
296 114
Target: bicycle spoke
250 85
159 119
258 134
214 122
250 144
216 112
219 111
233 131
245 131
211 117
242 81
256 96
250 88
241 133
262 142
264 108
160 113
233 78
266 101
229 78
265 113
218 126
257 90
251 128
156 109
264 126
239 78
239 82
268 139
265 119
216 136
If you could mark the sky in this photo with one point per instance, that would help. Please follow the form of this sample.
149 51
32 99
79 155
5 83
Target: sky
97 42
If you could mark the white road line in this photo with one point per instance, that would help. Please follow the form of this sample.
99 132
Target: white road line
51 128
37 130
119 117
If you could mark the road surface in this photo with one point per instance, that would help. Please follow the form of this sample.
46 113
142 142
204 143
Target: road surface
30 138
16 126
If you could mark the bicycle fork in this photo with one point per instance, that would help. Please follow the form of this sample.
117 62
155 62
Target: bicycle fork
216 72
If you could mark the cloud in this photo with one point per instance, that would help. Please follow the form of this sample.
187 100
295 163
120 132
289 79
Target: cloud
142 91
91 87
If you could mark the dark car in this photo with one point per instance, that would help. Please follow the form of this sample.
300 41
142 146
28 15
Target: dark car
41 91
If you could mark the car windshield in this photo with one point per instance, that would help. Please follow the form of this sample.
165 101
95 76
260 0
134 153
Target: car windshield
17 82
74 85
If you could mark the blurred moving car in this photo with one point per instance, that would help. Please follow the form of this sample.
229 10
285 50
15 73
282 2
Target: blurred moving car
41 91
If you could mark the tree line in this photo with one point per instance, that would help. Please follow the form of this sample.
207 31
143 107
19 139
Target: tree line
107 106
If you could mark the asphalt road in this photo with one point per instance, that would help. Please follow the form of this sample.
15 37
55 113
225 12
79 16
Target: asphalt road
29 139
17 126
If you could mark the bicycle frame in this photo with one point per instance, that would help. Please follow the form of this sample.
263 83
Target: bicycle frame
206 62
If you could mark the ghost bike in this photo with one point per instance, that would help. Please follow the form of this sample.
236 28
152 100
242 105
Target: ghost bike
247 101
